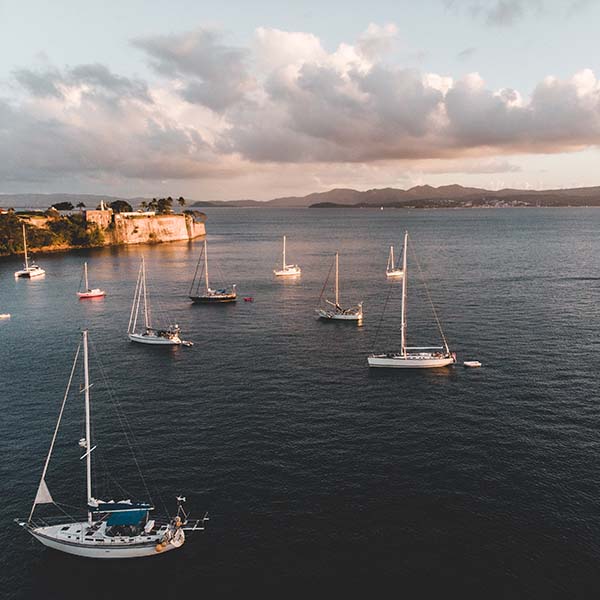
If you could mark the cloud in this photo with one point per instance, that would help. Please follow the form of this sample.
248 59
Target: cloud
211 73
497 13
88 121
91 79
216 111
377 41
466 54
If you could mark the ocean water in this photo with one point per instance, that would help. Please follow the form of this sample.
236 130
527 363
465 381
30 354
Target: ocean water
319 474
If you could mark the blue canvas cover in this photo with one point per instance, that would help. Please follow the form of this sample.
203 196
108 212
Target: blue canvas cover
129 517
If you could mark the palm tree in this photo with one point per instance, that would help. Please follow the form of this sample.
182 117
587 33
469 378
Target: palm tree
81 205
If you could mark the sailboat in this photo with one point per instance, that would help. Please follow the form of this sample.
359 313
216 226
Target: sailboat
121 529
287 270
335 310
413 357
168 336
87 292
393 270
209 295
29 270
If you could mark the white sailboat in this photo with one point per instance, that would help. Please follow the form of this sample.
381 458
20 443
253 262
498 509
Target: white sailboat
168 336
29 270
413 357
393 270
112 529
209 295
335 311
87 292
287 270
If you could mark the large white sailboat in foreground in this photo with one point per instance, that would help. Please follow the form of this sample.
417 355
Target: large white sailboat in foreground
209 295
167 336
413 357
28 270
287 270
87 292
392 269
121 529
334 311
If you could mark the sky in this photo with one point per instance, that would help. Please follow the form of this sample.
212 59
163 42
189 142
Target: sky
235 99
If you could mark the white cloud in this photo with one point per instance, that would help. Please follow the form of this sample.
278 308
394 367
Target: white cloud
216 110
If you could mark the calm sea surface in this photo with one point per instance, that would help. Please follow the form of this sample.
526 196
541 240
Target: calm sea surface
318 473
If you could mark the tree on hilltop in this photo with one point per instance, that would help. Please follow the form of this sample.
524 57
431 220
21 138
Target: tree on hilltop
165 206
119 206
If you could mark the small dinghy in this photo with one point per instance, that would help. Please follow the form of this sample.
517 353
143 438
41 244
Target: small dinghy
248 299
472 364
4 315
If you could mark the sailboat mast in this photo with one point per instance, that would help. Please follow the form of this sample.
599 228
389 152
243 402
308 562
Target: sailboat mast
206 264
88 434
337 280
392 257
25 247
404 278
85 275
283 267
146 319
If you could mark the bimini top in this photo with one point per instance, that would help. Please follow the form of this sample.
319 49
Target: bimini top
124 512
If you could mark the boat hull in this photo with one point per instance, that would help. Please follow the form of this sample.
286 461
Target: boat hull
153 340
409 362
30 273
111 549
91 294
220 299
288 272
331 316
397 273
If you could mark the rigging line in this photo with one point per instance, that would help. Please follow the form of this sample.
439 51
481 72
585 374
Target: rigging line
196 271
63 510
437 320
80 281
62 408
326 280
122 419
165 318
387 299
110 479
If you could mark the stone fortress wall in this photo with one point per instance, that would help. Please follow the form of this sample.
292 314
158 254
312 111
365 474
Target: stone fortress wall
143 228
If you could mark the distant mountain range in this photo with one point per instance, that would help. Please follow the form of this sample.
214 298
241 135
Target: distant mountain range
426 196
422 196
